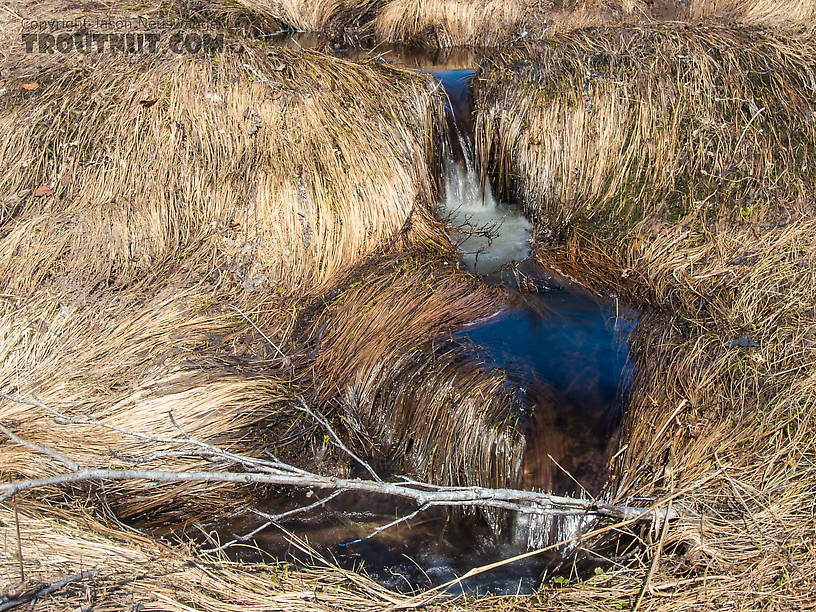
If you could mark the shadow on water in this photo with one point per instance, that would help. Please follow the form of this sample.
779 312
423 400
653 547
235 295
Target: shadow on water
566 350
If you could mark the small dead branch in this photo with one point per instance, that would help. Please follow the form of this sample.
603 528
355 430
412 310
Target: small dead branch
272 520
322 420
31 595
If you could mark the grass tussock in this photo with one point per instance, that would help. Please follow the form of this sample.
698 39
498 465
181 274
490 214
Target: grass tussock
614 125
151 198
132 571
670 166
340 19
131 359
490 23
448 23
786 14
293 164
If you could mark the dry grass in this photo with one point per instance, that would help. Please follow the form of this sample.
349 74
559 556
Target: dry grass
180 187
674 171
335 18
785 13
491 23
427 406
448 23
670 165
135 572
293 164
612 126
183 187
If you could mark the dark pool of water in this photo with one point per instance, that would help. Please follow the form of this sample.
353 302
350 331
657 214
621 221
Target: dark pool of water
568 350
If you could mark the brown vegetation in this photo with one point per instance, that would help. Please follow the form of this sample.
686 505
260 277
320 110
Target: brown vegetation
489 23
672 167
144 201
199 240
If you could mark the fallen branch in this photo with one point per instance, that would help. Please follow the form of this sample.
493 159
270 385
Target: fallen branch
528 502
275 472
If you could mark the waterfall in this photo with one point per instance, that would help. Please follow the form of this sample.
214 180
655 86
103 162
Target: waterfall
490 233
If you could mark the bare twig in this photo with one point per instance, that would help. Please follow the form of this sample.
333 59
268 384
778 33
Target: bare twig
321 419
19 541
655 560
529 502
393 523
271 520
40 449
46 589
258 329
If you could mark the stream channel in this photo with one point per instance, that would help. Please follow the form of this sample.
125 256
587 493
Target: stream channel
564 347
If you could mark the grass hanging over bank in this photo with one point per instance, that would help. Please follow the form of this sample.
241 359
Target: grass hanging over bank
608 126
672 166
295 164
147 200
387 361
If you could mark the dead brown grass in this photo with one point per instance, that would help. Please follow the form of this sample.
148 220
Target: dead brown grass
179 188
426 406
138 572
673 172
667 185
785 14
662 115
490 23
293 163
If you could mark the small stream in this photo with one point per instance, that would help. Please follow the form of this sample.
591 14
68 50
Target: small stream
565 349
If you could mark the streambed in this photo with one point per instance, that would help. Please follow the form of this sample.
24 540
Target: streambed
564 350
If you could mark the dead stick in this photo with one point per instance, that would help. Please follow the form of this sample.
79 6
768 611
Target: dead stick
653 566
47 589
19 539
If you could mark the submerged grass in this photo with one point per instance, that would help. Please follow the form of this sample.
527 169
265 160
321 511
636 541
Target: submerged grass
671 166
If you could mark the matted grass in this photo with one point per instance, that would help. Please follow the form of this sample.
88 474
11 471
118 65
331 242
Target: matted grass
677 175
294 163
671 165
425 405
489 23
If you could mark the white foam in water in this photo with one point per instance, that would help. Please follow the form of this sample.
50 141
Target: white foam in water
508 230
540 530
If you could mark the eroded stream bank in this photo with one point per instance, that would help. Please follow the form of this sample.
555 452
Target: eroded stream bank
562 353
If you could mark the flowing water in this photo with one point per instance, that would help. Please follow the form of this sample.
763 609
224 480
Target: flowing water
565 350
